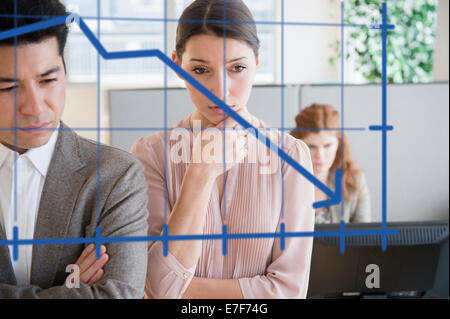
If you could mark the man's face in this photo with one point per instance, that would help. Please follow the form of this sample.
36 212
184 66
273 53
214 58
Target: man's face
41 88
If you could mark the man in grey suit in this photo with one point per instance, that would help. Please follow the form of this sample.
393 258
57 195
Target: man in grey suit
57 185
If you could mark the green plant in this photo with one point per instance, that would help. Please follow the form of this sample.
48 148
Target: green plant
410 46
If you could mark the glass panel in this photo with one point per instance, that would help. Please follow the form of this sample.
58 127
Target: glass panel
138 25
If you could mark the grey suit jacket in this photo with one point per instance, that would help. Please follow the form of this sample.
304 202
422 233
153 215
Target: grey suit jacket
68 209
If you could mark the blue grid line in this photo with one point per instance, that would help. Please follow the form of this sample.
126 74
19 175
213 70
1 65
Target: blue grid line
282 236
224 239
256 22
342 241
282 108
224 179
61 19
15 118
185 128
166 197
98 240
381 127
15 243
165 240
98 231
342 235
384 123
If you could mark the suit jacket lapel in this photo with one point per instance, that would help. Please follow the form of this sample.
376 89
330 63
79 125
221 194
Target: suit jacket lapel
6 271
59 194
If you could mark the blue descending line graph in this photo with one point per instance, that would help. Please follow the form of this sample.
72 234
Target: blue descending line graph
335 197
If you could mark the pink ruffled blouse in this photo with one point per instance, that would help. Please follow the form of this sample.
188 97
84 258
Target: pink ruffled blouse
259 195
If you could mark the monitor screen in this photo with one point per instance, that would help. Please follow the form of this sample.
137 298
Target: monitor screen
415 263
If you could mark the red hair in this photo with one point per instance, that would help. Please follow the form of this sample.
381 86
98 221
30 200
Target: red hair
322 116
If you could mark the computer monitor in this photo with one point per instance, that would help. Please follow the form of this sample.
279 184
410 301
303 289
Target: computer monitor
415 263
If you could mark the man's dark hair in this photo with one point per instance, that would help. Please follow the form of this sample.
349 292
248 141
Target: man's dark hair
29 12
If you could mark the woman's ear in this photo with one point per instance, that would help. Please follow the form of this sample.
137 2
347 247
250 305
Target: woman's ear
177 62
175 57
257 61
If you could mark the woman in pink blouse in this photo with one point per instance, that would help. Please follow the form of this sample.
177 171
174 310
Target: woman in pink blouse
193 192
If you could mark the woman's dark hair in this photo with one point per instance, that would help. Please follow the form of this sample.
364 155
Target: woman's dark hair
29 12
207 17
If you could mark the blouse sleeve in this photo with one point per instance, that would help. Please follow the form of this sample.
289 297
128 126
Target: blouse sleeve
362 212
287 276
166 277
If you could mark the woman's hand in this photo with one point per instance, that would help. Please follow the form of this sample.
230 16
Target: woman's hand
188 214
208 147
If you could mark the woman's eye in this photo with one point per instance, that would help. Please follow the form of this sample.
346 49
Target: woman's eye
239 68
199 70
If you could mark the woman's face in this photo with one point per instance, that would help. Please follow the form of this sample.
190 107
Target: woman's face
230 80
323 147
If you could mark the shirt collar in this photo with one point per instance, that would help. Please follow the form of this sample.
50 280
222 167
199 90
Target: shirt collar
40 157
4 152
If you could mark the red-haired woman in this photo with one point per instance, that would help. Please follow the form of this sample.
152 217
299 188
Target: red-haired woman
313 128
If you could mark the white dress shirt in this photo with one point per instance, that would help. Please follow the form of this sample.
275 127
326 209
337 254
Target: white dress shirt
32 167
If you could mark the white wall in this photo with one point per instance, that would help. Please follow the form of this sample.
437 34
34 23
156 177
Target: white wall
307 47
81 110
440 68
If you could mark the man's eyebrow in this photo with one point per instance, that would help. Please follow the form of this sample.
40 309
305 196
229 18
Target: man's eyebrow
3 79
204 61
52 70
